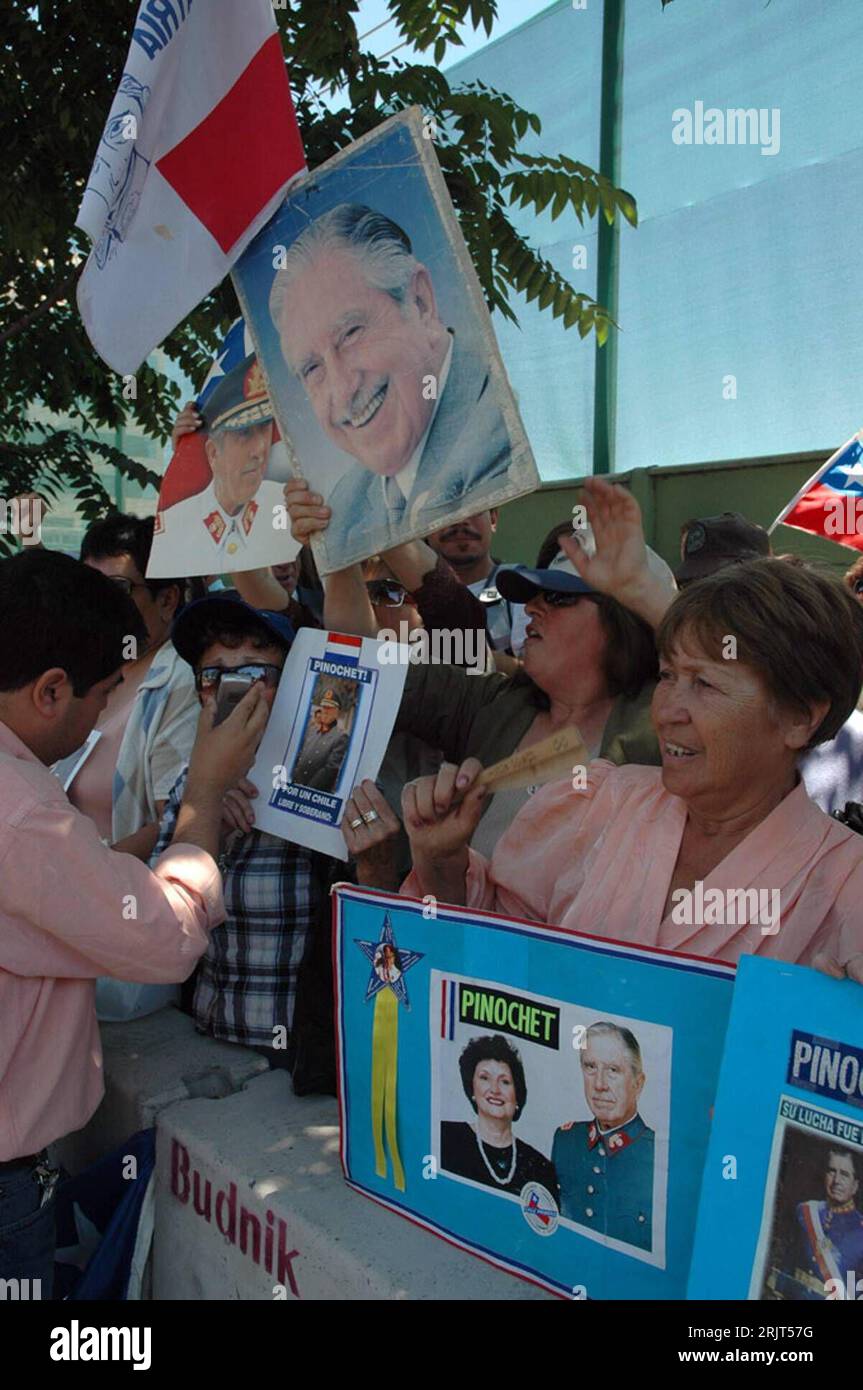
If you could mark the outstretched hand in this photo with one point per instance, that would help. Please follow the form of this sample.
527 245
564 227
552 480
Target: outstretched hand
620 565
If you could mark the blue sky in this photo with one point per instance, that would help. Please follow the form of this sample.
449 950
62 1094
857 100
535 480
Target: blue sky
374 12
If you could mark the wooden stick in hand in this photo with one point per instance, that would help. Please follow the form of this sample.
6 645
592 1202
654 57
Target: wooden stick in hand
548 761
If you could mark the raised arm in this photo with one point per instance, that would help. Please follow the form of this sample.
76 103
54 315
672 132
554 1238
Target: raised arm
620 566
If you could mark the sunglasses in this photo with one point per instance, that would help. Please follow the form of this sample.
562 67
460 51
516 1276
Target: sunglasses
555 599
858 586
385 592
127 585
209 677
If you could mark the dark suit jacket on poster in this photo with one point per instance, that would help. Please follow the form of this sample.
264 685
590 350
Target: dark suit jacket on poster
319 760
468 446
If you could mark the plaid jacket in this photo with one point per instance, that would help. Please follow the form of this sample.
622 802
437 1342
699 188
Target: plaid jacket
247 981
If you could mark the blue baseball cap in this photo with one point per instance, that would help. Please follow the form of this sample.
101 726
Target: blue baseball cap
519 583
190 624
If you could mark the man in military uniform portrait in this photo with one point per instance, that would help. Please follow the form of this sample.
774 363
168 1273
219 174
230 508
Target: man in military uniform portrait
605 1165
215 530
829 1243
320 758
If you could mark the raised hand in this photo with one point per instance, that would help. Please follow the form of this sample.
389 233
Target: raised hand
306 510
440 815
187 422
620 567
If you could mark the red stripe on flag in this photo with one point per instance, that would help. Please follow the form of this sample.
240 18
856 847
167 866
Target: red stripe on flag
229 167
346 641
812 512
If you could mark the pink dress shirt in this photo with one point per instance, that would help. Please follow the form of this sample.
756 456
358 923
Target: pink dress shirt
71 910
600 861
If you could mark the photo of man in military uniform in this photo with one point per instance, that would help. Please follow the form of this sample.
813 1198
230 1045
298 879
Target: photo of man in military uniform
828 1239
218 530
323 749
605 1165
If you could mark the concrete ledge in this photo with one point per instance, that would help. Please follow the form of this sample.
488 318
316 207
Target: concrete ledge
151 1063
251 1204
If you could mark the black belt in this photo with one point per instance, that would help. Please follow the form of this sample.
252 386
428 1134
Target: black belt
13 1165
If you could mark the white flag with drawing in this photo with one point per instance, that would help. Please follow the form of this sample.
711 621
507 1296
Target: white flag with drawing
198 149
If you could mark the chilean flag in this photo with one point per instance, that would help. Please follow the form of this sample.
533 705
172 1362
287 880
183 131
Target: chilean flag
831 503
198 150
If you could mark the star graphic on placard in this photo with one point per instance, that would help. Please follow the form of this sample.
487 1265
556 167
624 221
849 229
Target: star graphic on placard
394 963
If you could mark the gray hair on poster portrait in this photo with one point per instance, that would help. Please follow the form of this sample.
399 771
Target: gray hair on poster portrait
383 247
376 342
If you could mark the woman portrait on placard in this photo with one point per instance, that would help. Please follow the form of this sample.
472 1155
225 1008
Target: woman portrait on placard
488 1151
388 964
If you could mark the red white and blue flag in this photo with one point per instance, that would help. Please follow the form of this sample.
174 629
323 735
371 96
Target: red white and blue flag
830 504
200 145
342 647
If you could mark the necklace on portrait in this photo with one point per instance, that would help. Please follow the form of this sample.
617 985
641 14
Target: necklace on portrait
505 1181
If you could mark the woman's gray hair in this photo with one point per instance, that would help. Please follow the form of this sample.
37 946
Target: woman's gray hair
381 246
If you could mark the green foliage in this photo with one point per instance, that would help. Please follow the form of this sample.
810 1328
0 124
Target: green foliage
61 67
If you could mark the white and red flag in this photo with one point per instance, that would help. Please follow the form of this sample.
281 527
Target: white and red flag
200 144
830 504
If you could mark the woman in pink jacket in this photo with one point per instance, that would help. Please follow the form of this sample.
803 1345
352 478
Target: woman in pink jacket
720 851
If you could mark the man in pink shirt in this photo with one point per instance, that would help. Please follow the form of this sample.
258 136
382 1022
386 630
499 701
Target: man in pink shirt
72 909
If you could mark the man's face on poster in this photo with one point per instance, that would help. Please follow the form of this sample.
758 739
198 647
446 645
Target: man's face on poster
839 1180
325 718
238 459
364 360
611 1085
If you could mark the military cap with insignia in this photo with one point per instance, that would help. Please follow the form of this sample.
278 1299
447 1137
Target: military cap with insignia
241 399
329 700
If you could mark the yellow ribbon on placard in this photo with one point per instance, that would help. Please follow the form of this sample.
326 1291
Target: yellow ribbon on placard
385 1060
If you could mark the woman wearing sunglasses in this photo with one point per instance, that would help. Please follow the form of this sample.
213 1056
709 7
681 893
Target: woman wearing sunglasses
588 661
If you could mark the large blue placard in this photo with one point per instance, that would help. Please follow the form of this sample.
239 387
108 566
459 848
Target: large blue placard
538 1097
781 1211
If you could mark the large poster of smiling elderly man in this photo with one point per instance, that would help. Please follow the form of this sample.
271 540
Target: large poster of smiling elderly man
381 361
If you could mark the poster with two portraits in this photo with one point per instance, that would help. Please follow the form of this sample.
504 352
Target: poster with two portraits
543 1098
605 1121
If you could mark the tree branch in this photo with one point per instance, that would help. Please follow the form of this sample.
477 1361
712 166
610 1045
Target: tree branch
61 292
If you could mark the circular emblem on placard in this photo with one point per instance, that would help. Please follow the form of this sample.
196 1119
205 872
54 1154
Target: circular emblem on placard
539 1209
695 538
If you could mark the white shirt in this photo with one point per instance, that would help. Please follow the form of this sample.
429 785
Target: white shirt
407 476
518 627
196 536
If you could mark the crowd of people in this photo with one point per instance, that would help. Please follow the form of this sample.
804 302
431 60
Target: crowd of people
718 708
